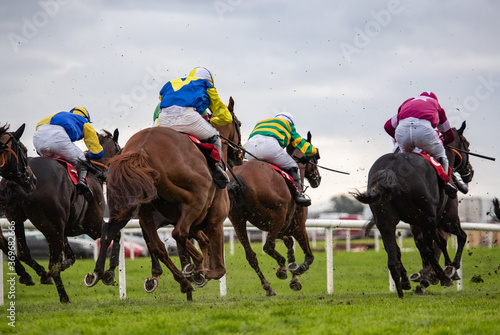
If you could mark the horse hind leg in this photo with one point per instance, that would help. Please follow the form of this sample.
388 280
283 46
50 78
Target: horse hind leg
55 266
24 255
108 277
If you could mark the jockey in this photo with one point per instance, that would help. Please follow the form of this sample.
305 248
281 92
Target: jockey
270 137
184 107
414 126
54 137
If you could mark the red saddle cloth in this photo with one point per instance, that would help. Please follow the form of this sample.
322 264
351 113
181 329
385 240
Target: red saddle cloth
288 179
208 150
438 167
73 175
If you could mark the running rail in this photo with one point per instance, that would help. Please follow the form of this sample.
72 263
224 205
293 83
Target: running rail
314 224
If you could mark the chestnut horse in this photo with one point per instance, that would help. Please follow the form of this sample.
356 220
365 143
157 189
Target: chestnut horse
261 196
14 168
162 170
404 186
57 210
448 219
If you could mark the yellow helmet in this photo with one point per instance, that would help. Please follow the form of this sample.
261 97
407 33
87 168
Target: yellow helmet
81 111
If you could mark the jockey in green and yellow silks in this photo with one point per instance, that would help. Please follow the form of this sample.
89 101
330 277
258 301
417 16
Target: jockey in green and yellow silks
267 142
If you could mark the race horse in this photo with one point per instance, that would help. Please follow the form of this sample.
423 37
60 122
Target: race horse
260 195
14 168
496 208
405 187
162 170
448 219
57 210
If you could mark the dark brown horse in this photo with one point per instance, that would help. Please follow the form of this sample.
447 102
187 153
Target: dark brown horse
161 169
405 187
57 210
448 219
14 168
260 196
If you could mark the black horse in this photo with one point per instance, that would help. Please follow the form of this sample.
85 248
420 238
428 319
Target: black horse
14 168
496 208
448 219
405 187
57 210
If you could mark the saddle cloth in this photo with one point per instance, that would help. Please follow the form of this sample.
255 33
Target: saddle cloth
438 167
73 175
208 150
288 179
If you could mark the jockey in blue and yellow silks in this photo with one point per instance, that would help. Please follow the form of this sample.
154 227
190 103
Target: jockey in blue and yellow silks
270 137
192 105
54 137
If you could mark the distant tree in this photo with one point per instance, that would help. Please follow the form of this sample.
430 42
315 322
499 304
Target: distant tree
345 204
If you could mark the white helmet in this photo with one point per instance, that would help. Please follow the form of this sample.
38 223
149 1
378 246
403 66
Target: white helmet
202 72
285 116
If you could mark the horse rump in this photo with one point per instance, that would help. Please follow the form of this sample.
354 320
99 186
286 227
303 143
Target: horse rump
130 182
383 185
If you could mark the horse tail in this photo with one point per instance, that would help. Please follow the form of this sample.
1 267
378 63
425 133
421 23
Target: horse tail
131 182
384 185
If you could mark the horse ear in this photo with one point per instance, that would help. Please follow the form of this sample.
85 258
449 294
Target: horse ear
115 135
309 136
230 106
462 128
19 132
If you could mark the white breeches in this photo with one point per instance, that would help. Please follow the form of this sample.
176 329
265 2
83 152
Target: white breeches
268 148
53 141
412 132
186 120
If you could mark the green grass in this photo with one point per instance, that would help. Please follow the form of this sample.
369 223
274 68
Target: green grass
361 302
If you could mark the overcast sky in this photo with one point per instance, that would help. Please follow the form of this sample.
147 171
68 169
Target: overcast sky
341 68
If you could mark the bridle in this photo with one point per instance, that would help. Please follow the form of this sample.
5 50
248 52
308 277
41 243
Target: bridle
237 154
462 165
15 166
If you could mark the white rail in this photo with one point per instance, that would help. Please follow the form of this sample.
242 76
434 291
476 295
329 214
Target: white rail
327 225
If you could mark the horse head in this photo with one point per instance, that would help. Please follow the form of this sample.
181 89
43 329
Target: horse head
459 159
109 143
14 159
231 136
312 172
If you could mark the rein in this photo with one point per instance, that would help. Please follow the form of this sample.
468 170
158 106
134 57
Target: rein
13 153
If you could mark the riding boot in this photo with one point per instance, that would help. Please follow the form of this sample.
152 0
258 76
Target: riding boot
461 185
82 186
448 187
300 198
218 174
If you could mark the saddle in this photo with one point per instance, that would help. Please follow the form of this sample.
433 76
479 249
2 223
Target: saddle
73 175
208 150
445 177
288 179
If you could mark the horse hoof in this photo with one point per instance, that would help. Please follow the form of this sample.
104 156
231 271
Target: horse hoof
433 279
90 279
188 270
109 278
281 274
425 283
406 285
46 280
420 290
150 284
455 276
295 286
416 277
200 284
450 271
447 282
26 280
270 292
199 279
292 267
